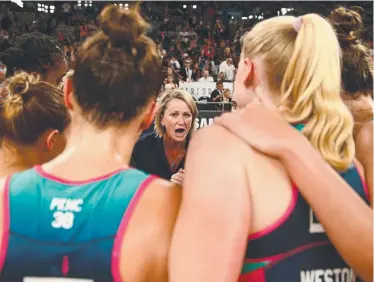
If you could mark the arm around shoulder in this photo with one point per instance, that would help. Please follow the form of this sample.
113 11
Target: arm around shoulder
346 218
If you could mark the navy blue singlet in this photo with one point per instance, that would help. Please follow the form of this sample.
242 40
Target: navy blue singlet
296 248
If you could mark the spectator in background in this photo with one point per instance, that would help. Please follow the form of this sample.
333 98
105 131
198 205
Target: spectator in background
193 46
221 77
202 59
219 30
217 94
196 72
170 72
186 72
209 65
225 100
66 9
228 69
171 83
83 32
227 52
165 42
206 77
209 49
174 63
226 96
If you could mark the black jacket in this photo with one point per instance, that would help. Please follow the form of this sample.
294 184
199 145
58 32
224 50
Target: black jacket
149 156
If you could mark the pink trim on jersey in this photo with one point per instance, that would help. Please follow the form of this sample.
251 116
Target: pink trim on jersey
65 266
281 220
49 176
279 257
366 190
6 223
116 252
254 276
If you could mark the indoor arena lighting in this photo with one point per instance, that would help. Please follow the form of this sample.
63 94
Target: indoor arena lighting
250 17
184 6
194 7
18 2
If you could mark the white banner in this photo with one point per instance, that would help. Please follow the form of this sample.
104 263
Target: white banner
201 89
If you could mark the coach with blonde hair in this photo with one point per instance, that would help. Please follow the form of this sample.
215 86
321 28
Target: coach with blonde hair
163 152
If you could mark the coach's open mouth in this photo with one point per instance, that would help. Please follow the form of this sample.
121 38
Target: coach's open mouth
180 132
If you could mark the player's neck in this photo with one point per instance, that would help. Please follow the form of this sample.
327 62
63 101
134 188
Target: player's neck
12 160
89 142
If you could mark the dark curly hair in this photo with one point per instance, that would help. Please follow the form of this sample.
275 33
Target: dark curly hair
32 52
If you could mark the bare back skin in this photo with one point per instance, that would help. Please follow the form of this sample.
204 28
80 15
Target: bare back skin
255 196
245 197
146 241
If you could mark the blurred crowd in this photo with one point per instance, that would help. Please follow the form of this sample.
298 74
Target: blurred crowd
197 43
200 46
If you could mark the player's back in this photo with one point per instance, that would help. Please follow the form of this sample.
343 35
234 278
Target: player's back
61 228
287 243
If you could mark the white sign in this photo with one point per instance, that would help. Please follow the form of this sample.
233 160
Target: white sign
202 89
18 2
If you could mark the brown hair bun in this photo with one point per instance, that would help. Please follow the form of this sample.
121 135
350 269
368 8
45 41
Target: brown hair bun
122 26
347 23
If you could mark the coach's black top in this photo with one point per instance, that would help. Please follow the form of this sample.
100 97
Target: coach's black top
149 156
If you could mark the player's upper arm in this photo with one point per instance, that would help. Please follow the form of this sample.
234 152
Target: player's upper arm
213 223
147 240
364 153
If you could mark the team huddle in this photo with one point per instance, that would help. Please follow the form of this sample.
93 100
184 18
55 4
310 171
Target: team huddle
287 195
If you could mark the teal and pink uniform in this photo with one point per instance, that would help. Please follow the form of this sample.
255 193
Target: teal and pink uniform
59 228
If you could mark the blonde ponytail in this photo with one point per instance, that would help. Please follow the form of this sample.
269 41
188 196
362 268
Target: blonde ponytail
311 82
